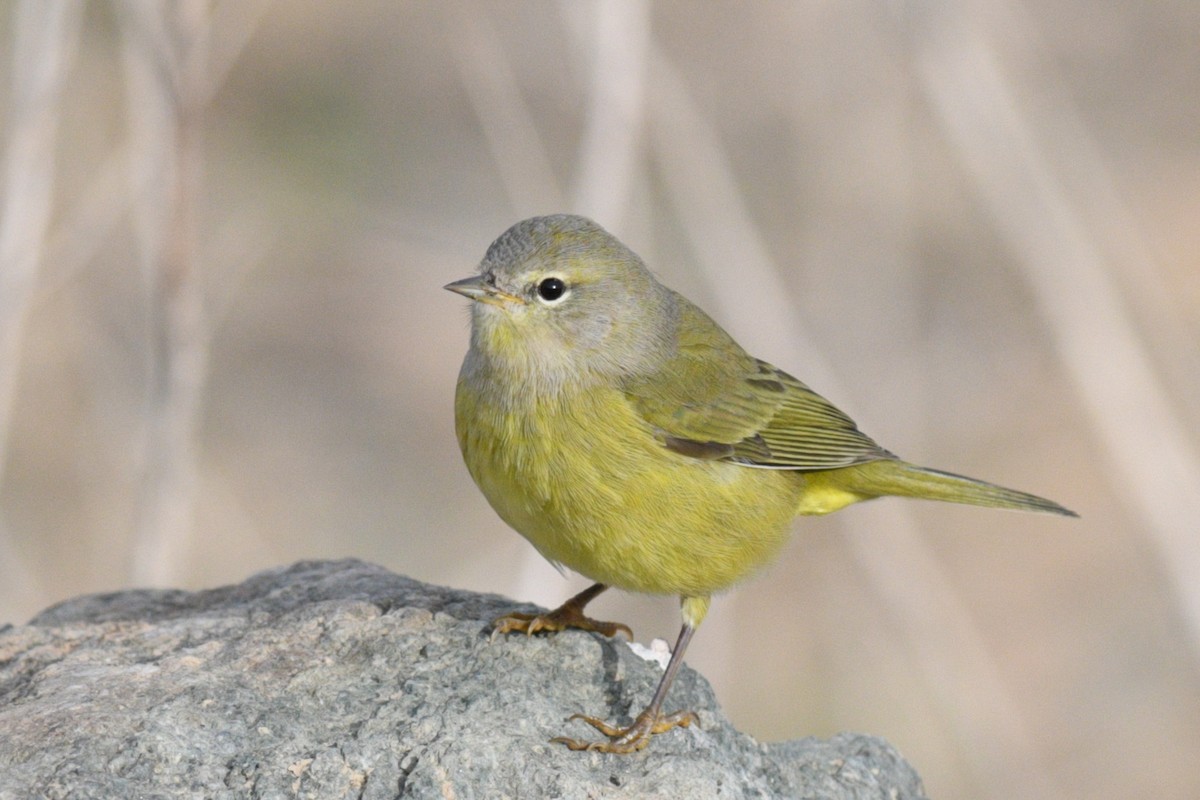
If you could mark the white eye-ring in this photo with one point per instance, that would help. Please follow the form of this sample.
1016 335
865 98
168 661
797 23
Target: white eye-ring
552 290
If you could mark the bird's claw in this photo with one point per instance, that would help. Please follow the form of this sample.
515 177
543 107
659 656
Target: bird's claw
627 740
560 619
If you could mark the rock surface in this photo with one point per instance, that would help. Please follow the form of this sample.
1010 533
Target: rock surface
343 680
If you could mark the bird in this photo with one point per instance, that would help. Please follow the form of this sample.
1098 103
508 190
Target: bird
620 430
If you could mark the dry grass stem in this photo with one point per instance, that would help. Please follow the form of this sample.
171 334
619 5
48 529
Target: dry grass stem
1146 442
45 37
165 68
616 37
508 124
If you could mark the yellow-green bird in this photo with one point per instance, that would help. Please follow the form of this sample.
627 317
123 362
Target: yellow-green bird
628 437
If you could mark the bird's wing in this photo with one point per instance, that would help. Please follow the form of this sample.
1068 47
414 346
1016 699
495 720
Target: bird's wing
807 431
712 400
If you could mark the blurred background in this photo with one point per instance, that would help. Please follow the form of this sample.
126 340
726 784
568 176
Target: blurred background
224 345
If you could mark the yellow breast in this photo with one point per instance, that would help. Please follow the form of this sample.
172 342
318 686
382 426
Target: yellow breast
583 478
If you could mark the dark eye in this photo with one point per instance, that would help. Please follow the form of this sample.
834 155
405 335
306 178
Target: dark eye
550 289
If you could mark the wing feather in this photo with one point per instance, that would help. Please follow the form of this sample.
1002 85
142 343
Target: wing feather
714 401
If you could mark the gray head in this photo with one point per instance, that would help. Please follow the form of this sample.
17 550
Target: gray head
559 297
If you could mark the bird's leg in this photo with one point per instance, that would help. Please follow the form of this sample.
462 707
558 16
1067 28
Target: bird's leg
647 723
568 615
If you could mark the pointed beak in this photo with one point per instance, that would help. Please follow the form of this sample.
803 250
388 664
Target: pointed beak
476 288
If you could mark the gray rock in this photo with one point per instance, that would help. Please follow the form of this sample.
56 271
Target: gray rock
342 680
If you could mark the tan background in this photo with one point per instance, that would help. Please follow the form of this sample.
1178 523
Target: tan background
972 225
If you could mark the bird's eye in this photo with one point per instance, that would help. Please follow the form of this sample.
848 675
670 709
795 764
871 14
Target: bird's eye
551 289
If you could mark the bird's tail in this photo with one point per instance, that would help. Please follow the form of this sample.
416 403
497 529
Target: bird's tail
895 477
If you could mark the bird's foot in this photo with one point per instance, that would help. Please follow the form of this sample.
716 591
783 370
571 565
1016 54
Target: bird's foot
561 618
628 740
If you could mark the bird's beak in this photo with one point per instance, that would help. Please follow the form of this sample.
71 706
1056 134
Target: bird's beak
475 288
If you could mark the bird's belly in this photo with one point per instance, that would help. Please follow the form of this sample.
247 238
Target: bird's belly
587 483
